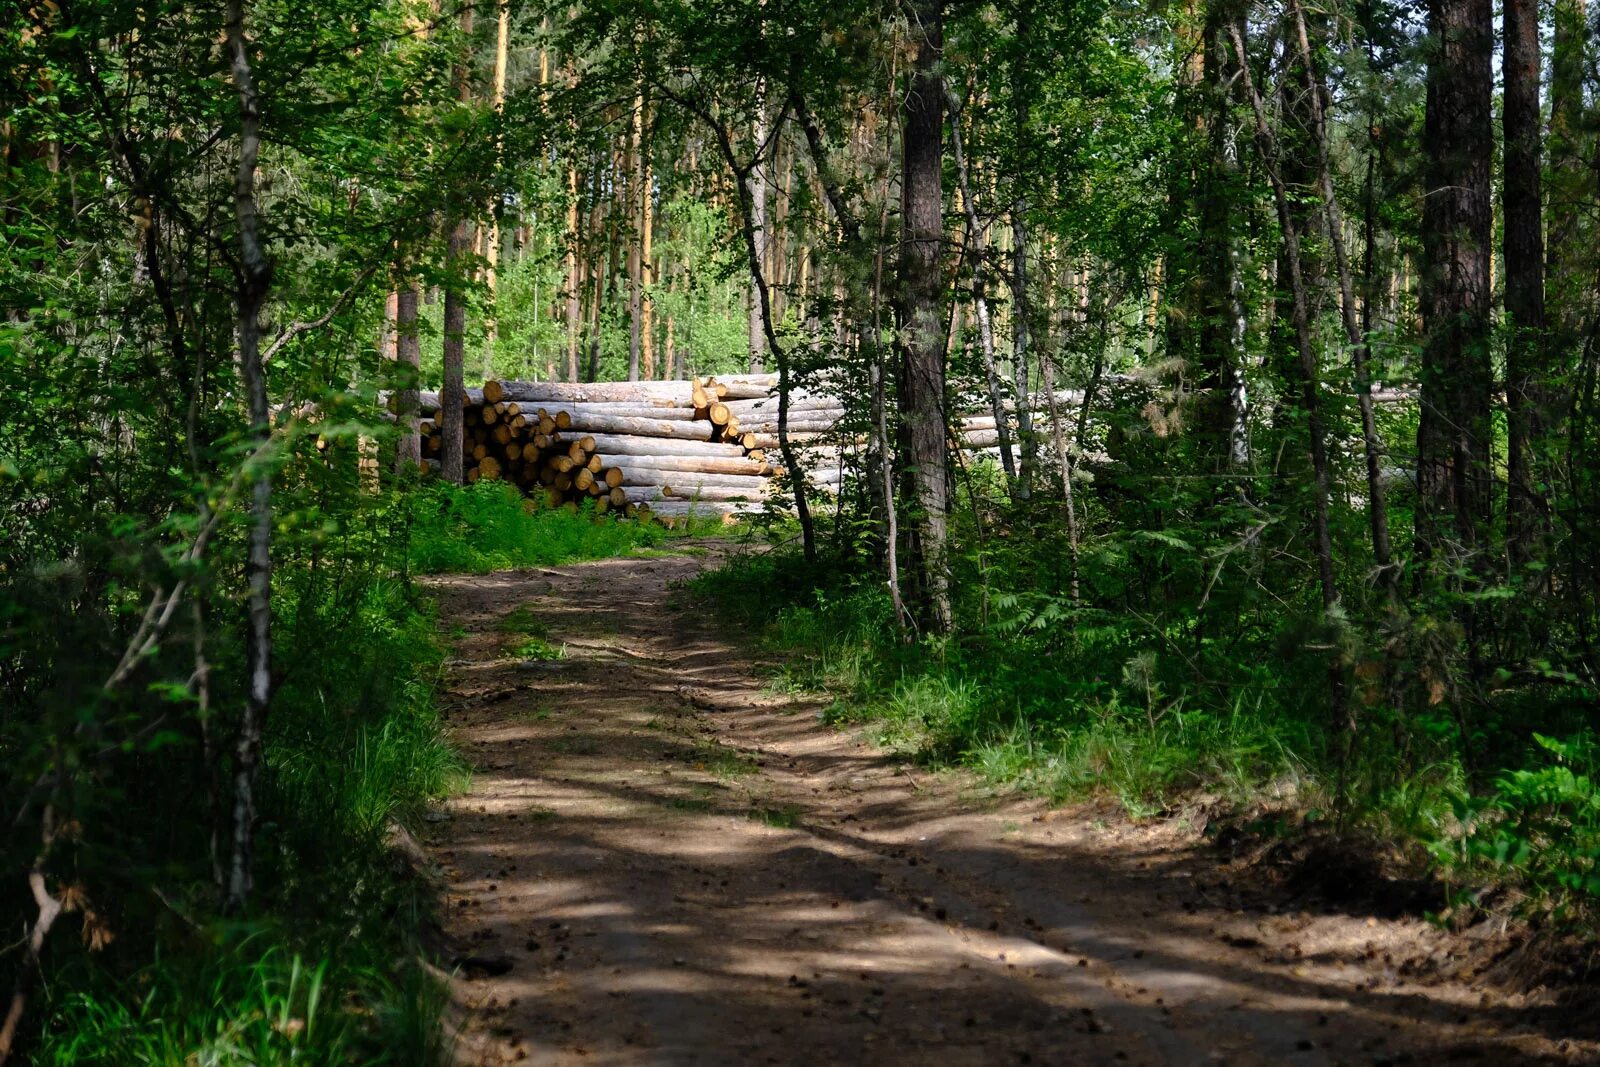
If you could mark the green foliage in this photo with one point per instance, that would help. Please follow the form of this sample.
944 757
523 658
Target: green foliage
1538 827
326 967
356 734
1065 718
490 526
1148 703
538 649
242 1003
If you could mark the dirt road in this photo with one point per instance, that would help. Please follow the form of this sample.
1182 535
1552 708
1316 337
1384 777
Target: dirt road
661 862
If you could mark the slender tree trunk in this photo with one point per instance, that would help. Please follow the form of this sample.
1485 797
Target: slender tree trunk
1304 342
744 180
606 283
492 251
1454 436
408 348
647 271
977 250
635 260
880 430
922 367
1355 334
255 276
670 341
1063 457
1021 96
451 422
1218 289
574 278
596 298
757 185
1296 165
462 236
1527 373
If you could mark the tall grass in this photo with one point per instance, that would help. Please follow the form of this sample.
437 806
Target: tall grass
253 1002
490 526
1072 702
1067 720
326 967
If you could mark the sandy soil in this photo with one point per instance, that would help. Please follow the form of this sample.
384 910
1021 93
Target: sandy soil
661 862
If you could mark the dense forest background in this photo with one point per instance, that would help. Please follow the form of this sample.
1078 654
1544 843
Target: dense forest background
1286 315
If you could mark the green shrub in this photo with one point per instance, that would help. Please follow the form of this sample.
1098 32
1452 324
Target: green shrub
1539 828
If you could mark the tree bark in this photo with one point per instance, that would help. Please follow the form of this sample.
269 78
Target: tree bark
408 348
922 365
1454 436
493 239
1355 333
1527 373
635 259
756 185
455 325
647 270
255 277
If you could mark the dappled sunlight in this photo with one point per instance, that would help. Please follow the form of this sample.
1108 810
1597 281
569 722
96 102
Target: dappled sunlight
670 863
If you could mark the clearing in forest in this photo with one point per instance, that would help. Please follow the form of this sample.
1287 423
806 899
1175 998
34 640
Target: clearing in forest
660 861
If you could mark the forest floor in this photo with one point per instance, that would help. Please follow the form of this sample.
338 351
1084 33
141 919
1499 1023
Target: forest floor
661 861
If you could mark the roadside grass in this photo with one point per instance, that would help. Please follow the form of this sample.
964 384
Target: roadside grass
254 1001
1000 706
1092 705
327 966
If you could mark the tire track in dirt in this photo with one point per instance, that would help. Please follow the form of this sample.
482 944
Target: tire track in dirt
660 862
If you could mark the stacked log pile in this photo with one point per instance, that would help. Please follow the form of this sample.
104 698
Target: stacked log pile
708 446
533 448
665 449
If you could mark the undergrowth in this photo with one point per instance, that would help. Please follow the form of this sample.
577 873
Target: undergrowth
327 966
1072 704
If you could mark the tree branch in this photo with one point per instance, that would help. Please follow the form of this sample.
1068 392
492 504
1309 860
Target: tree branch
296 329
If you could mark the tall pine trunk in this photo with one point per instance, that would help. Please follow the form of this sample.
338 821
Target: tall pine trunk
453 354
635 258
1527 372
574 277
1453 438
922 366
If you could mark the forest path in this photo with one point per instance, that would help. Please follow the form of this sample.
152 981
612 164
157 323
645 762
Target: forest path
661 862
